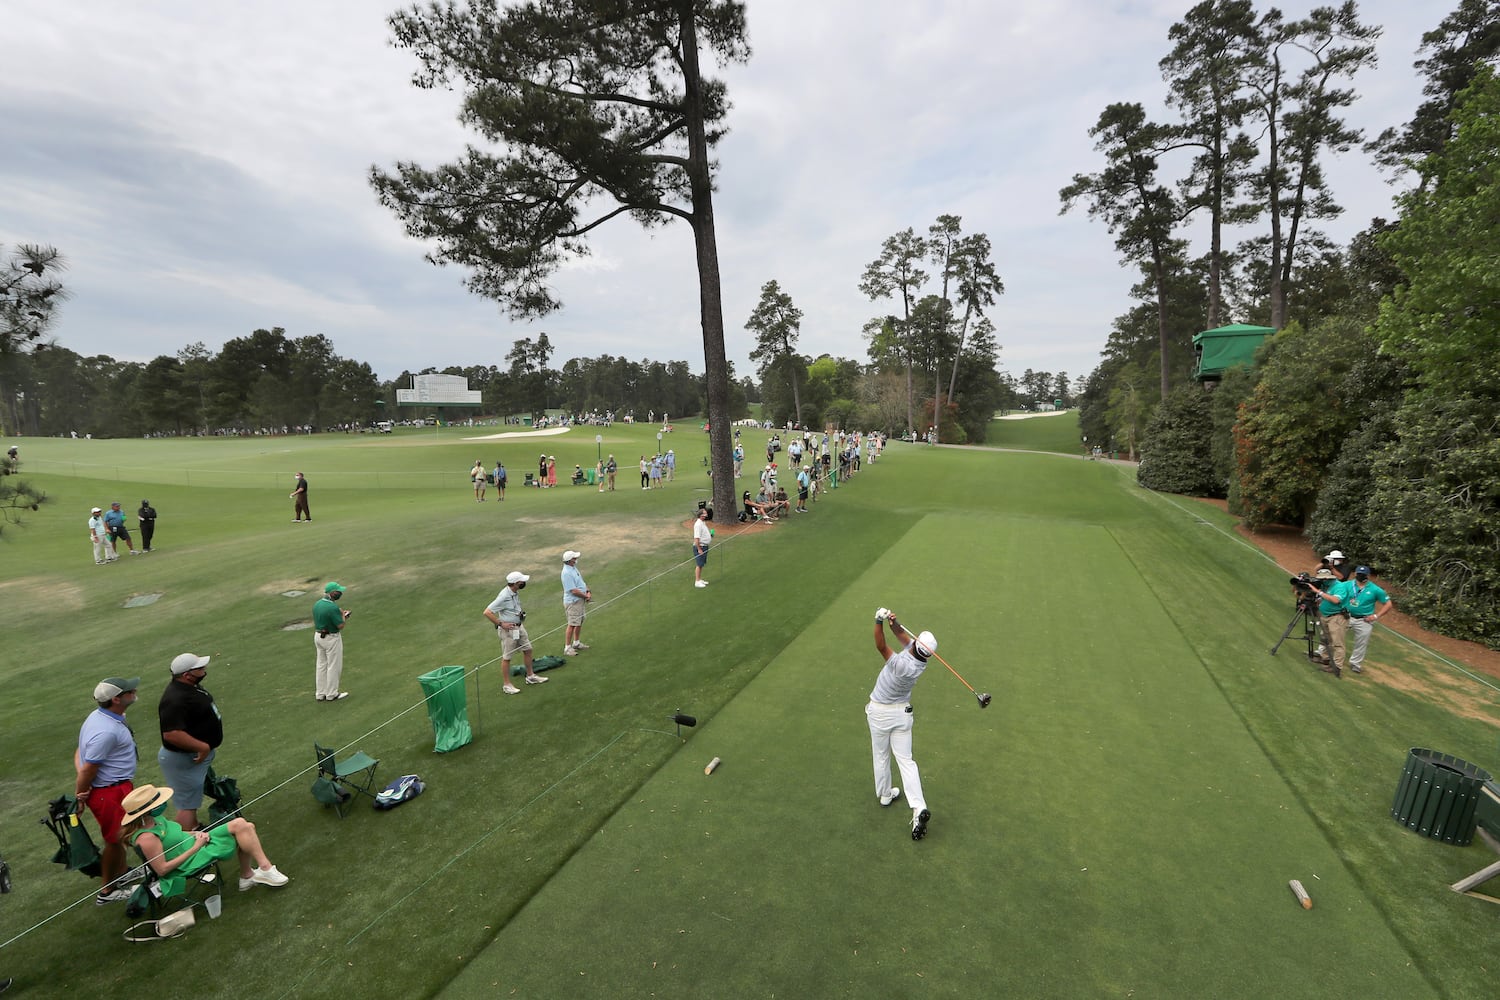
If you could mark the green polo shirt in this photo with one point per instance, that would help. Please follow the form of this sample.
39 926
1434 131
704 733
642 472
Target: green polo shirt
1339 588
327 617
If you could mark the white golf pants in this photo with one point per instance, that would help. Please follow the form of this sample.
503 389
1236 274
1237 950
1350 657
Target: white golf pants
890 735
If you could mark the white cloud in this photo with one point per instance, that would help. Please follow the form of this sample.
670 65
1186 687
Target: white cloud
204 169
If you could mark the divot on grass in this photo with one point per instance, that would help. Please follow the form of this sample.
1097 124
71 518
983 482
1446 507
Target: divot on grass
141 600
296 626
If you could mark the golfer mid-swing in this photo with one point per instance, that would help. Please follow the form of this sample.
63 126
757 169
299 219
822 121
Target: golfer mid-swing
889 714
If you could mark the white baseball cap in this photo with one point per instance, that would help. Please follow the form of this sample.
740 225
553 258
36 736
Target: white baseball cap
96 510
516 577
184 662
1335 554
570 555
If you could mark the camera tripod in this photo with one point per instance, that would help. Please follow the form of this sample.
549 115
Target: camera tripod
1309 619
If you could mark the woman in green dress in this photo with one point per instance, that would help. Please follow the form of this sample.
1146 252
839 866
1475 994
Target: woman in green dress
173 852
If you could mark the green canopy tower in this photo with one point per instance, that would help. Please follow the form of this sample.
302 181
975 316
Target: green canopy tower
1221 349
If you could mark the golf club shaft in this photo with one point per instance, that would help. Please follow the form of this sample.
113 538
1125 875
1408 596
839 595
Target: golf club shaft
913 635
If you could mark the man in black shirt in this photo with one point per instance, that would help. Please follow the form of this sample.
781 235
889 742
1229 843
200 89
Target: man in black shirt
191 730
147 516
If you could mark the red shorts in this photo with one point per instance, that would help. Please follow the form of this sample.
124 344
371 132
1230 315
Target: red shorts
108 807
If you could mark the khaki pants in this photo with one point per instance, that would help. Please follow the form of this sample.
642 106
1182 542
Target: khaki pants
330 663
1335 627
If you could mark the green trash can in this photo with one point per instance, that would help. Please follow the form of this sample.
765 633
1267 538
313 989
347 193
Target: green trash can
447 707
589 475
1437 796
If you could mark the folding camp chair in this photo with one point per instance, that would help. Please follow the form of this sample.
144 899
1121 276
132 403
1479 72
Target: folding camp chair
76 850
344 778
158 895
225 793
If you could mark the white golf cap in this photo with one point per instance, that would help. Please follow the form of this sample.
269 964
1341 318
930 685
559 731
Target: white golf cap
184 662
570 555
97 510
926 644
1335 554
516 578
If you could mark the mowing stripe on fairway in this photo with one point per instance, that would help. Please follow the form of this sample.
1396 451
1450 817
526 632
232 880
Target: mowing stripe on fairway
1108 791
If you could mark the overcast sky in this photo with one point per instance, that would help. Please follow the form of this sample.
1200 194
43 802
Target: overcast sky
202 168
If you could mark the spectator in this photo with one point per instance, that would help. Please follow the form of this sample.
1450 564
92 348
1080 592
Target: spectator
702 535
169 849
147 518
671 465
99 536
599 474
299 499
191 731
499 480
755 510
551 471
541 472
645 473
114 520
478 478
506 614
105 765
804 483
576 596
610 468
656 462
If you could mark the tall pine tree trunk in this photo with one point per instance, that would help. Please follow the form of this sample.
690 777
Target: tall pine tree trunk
710 297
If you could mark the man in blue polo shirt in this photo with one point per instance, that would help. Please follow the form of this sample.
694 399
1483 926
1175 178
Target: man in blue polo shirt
114 520
1367 604
105 766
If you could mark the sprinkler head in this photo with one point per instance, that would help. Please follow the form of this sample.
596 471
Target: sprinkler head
984 699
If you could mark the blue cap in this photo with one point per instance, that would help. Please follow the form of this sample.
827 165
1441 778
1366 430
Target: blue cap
1361 571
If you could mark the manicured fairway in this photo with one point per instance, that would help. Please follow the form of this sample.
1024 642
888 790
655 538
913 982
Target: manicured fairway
1122 821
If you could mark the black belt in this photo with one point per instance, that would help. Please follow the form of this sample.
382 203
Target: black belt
1360 617
112 784
324 635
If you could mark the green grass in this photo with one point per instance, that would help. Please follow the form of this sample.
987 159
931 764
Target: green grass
1056 432
1121 822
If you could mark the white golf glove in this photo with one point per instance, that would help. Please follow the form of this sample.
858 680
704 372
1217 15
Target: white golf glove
881 614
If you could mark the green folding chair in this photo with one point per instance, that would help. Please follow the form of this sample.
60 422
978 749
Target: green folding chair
339 781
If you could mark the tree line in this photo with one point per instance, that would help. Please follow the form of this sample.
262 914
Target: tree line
1371 417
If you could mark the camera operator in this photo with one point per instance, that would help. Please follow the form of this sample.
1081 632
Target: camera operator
1333 610
1336 564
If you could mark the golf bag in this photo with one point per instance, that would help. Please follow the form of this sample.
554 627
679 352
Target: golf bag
403 789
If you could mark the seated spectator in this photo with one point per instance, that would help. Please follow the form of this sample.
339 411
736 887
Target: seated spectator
755 511
578 475
782 503
170 850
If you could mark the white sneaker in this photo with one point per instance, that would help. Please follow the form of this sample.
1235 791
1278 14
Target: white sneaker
268 876
580 645
701 583
510 689
569 651
891 796
537 679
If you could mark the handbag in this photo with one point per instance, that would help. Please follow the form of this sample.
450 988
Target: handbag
173 925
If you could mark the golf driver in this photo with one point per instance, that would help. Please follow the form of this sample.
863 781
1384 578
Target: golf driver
982 696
